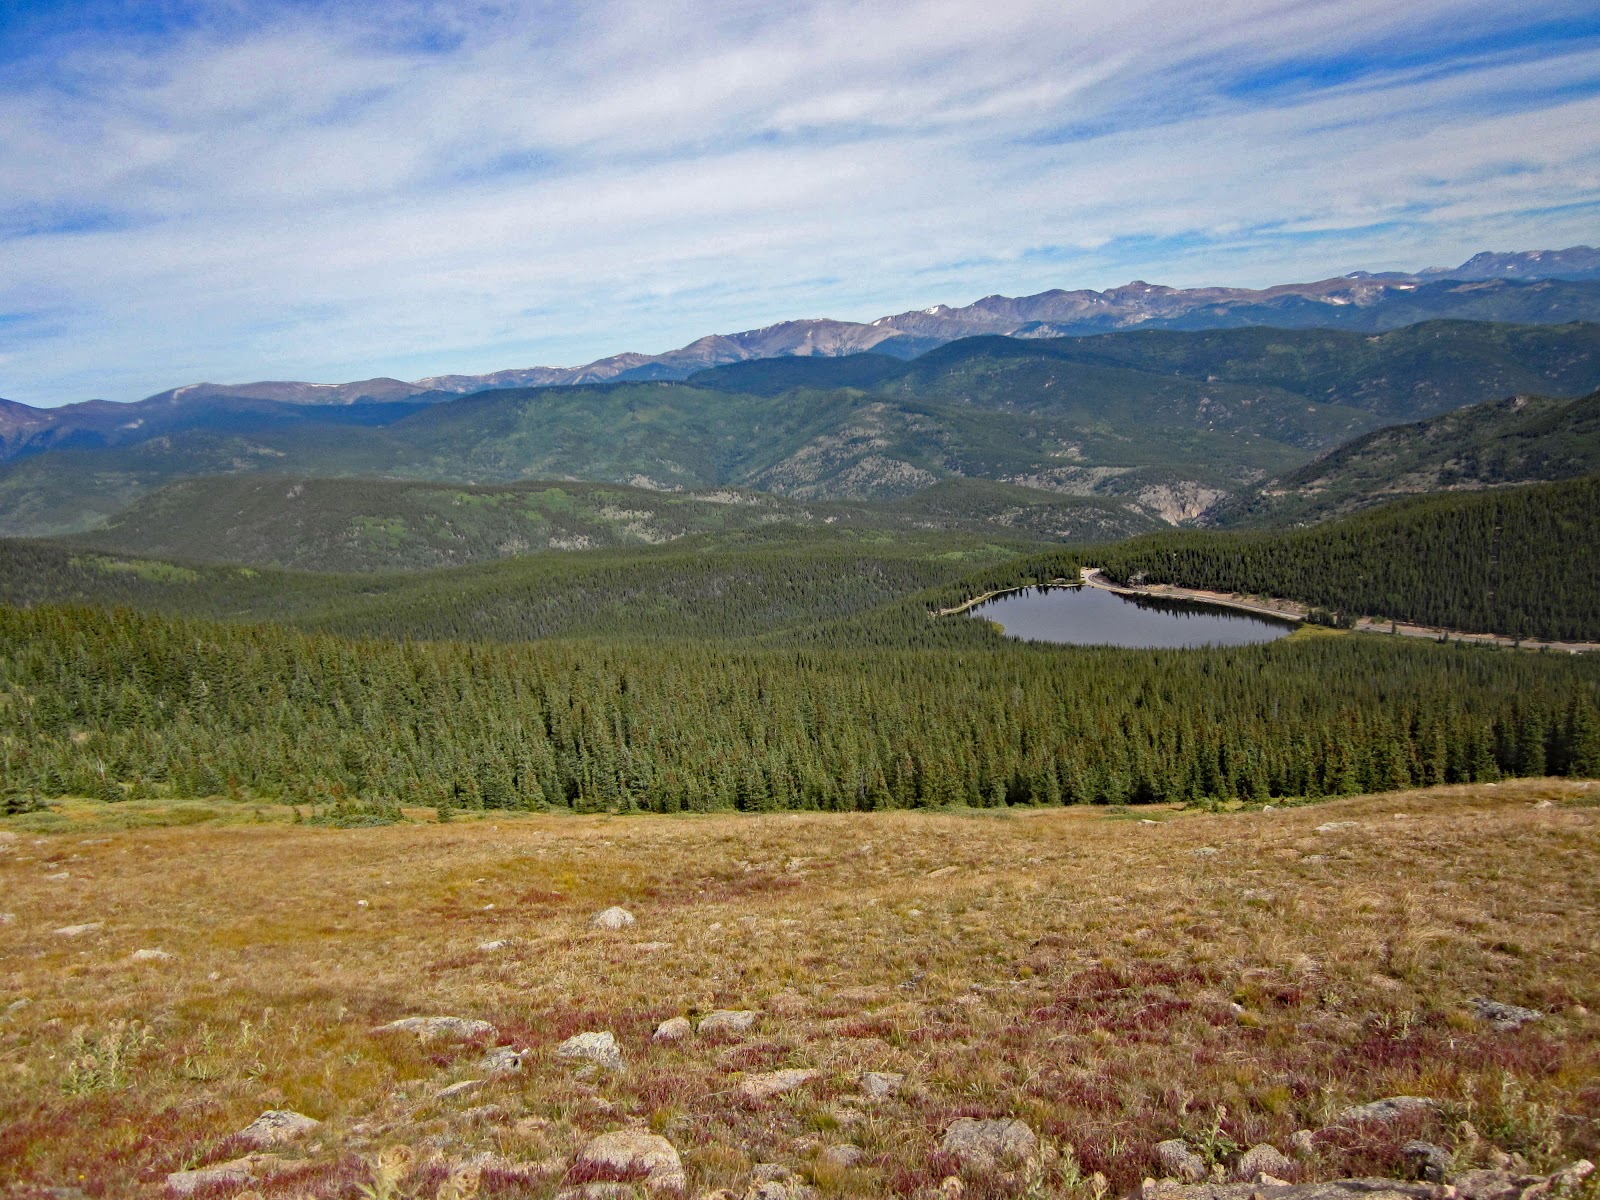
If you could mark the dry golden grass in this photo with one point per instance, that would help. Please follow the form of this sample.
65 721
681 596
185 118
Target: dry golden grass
1111 982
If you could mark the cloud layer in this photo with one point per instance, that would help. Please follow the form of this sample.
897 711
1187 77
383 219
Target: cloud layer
238 192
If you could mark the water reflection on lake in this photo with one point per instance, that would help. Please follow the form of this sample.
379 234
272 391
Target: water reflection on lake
1089 616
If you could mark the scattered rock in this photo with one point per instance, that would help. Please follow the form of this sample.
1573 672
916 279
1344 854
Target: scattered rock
454 1028
184 1183
1504 1016
150 956
1390 1108
1331 826
942 872
988 1145
18 1005
631 1152
80 930
612 918
725 1020
672 1029
498 944
652 947
598 1048
880 1084
1545 804
841 1157
1265 1159
1205 851
1148 821
502 1060
1179 1162
1427 1162
58 877
773 1083
459 1089
1503 1185
7 918
277 1126
1338 1189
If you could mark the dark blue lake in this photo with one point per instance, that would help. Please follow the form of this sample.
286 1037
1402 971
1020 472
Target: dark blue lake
1089 616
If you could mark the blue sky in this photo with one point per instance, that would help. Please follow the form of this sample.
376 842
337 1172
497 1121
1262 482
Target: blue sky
331 191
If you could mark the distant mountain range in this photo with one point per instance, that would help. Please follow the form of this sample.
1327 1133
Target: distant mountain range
1165 422
1526 287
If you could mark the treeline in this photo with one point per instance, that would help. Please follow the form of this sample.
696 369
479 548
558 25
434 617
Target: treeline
1524 562
115 704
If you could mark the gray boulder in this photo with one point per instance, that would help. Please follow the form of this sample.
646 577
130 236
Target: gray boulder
277 1126
1179 1162
595 1047
727 1021
879 1085
460 1029
612 918
990 1145
1427 1162
632 1152
673 1029
773 1083
1390 1108
1504 1016
1264 1159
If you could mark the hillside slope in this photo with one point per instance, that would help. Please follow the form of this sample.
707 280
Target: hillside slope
369 525
1521 561
1524 439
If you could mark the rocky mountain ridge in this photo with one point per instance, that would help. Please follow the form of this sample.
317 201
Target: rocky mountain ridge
1520 286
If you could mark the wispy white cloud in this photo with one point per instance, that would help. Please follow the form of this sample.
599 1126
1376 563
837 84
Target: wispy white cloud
322 194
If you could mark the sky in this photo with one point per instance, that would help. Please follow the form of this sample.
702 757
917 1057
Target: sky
289 189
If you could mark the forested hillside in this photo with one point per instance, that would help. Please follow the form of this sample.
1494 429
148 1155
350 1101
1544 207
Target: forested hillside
114 704
375 525
1522 439
1523 561
1169 421
754 584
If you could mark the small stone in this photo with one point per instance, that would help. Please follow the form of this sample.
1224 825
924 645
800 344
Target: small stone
277 1126
1504 1016
1427 1162
941 872
1303 1142
1545 804
1179 1162
488 947
989 1145
630 1152
7 918
502 1060
881 1084
773 1083
18 1005
612 918
58 877
1264 1159
1332 826
725 1020
459 1089
652 947
80 930
1390 1108
452 1028
1205 851
672 1029
150 956
1148 821
598 1048
841 1157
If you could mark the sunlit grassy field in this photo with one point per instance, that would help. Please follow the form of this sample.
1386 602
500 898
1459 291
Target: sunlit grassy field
1113 978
